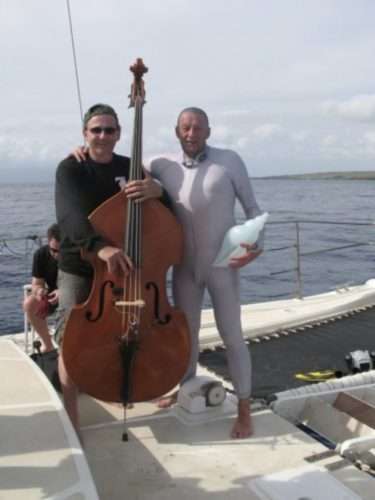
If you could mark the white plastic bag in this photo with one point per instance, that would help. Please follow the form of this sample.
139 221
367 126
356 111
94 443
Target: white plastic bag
248 232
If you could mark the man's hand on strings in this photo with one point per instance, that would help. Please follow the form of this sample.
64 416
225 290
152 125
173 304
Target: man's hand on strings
117 262
252 252
144 189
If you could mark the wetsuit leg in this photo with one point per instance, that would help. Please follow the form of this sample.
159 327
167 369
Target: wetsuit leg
188 296
223 287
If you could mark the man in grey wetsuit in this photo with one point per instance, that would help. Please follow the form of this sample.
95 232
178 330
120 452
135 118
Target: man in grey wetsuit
203 183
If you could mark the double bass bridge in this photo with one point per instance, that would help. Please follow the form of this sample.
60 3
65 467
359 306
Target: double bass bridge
130 303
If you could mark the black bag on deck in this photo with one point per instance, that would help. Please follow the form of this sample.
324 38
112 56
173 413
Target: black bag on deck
47 362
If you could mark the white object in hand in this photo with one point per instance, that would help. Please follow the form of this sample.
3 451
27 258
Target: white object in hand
248 233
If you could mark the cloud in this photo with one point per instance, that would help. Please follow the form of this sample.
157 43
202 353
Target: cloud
267 131
33 146
263 88
367 143
242 143
235 112
220 133
329 140
369 137
299 136
360 107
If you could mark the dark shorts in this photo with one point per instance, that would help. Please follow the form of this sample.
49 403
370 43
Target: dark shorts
52 309
73 290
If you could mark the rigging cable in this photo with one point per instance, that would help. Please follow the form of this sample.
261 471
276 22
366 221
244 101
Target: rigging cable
75 59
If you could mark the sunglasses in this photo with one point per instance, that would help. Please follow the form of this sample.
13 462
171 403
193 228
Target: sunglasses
105 130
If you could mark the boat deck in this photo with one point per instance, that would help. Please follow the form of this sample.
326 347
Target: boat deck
174 455
165 458
323 346
40 455
170 453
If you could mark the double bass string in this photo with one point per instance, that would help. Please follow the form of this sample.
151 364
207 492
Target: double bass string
132 283
138 209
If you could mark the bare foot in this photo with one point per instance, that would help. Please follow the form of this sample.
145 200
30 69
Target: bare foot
242 427
167 401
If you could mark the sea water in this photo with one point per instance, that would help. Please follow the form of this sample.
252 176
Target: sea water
26 210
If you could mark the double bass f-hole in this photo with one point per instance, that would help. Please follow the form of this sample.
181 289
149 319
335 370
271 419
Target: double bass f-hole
159 320
89 314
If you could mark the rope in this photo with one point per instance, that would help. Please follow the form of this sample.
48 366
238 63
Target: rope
75 60
29 244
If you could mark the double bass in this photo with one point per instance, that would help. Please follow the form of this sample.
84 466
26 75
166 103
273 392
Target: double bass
126 343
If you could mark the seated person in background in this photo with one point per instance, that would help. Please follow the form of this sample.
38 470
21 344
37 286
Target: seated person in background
44 294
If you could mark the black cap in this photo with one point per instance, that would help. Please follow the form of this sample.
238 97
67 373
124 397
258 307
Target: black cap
99 109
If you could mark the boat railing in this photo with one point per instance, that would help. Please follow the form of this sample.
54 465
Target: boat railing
300 252
22 247
25 247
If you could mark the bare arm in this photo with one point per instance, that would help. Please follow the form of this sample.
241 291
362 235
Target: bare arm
38 288
80 153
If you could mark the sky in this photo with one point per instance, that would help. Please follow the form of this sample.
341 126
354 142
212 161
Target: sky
288 84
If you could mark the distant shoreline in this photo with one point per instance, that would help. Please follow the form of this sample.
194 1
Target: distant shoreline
42 177
361 175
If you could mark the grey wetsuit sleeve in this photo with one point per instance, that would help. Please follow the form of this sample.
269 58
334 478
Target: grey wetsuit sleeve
245 194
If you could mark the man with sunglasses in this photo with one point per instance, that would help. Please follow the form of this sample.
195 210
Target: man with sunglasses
81 188
43 299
